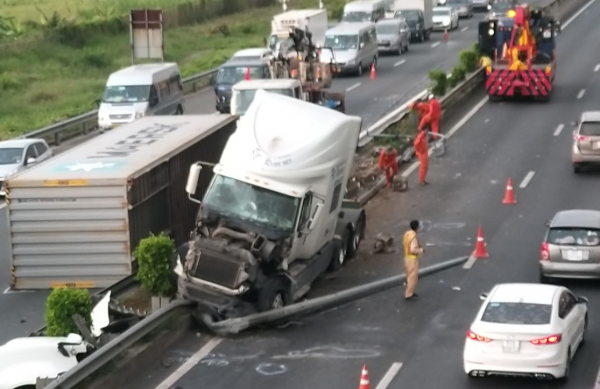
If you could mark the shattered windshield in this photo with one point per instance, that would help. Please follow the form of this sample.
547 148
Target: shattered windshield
252 204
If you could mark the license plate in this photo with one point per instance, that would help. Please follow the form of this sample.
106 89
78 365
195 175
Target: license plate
596 146
511 346
573 255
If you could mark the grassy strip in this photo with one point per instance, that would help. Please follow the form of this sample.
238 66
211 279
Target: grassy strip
43 81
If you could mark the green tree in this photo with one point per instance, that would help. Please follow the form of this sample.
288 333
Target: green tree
154 255
61 305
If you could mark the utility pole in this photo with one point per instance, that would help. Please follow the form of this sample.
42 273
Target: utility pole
284 4
320 4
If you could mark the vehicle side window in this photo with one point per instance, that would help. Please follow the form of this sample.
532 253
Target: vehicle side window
40 148
266 72
175 84
304 213
372 35
337 191
566 304
153 96
163 88
31 152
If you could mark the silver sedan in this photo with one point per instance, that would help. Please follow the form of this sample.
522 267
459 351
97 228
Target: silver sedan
571 246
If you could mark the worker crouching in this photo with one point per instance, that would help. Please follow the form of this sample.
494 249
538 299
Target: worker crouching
389 164
433 117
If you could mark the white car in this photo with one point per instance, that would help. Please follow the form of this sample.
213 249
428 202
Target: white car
445 18
20 154
529 330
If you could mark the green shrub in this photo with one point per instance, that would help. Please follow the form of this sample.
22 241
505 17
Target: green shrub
459 74
8 81
154 255
61 305
469 59
440 82
475 48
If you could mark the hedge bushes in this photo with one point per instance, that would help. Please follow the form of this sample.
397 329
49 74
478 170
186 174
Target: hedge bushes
154 255
61 305
468 63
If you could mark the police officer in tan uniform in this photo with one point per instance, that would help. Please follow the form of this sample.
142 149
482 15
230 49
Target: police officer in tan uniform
412 251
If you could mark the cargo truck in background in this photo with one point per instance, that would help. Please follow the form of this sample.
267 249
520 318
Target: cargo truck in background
75 220
418 15
274 217
313 20
244 91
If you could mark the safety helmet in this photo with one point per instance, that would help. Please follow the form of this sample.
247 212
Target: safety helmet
411 105
431 96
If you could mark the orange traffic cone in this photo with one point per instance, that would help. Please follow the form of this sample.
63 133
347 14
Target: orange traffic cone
364 379
480 250
509 195
373 72
446 35
247 76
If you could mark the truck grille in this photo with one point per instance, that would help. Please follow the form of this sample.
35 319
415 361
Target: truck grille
120 117
219 268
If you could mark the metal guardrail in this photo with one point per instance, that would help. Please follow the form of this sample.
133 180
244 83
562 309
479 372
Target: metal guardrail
83 124
106 354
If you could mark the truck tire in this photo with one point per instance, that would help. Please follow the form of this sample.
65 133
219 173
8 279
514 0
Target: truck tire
273 294
357 236
340 254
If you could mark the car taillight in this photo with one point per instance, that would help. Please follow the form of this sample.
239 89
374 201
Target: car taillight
545 252
582 138
552 339
479 338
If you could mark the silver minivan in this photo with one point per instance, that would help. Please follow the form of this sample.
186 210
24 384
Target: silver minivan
393 36
586 140
353 45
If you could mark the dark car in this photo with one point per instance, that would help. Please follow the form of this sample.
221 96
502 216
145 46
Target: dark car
416 23
232 72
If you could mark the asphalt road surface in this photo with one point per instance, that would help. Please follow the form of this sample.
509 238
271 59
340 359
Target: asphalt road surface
419 344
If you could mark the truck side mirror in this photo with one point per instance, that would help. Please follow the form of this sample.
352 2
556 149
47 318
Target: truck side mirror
313 221
547 223
574 123
483 296
192 181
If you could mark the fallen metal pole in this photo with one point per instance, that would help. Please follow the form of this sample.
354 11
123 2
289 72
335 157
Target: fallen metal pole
235 326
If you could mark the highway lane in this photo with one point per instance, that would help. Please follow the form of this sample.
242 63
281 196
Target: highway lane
328 350
399 78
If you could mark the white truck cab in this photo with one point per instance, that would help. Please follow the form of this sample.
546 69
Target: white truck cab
141 90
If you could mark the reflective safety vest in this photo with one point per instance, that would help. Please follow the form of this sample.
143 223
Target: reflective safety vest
408 238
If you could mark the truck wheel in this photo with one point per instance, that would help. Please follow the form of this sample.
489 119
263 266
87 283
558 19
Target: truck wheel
341 253
274 294
357 236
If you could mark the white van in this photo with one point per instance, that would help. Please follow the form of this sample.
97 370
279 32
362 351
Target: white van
141 90
354 47
364 11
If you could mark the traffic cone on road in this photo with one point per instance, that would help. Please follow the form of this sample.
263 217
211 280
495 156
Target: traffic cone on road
509 195
373 72
480 250
247 75
446 35
364 379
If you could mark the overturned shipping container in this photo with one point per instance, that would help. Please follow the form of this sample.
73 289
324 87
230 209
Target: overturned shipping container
76 219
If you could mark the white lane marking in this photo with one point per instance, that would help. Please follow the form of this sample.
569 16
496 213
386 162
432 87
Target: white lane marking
582 10
597 68
399 63
452 131
435 44
464 29
581 93
389 376
470 262
559 129
527 180
193 361
353 87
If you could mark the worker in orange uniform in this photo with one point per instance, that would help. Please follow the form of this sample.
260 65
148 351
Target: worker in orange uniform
388 163
412 251
432 119
422 153
421 107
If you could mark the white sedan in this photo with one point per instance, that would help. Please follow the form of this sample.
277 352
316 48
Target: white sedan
445 18
529 330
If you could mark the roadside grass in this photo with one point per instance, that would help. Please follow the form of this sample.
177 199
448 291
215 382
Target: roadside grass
44 81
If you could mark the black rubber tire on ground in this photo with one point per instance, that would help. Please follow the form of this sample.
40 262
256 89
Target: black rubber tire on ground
567 368
179 110
359 71
544 279
585 325
421 37
273 289
356 237
494 99
340 254
576 168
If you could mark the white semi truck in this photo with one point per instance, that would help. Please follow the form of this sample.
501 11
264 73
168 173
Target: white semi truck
244 91
313 20
274 217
